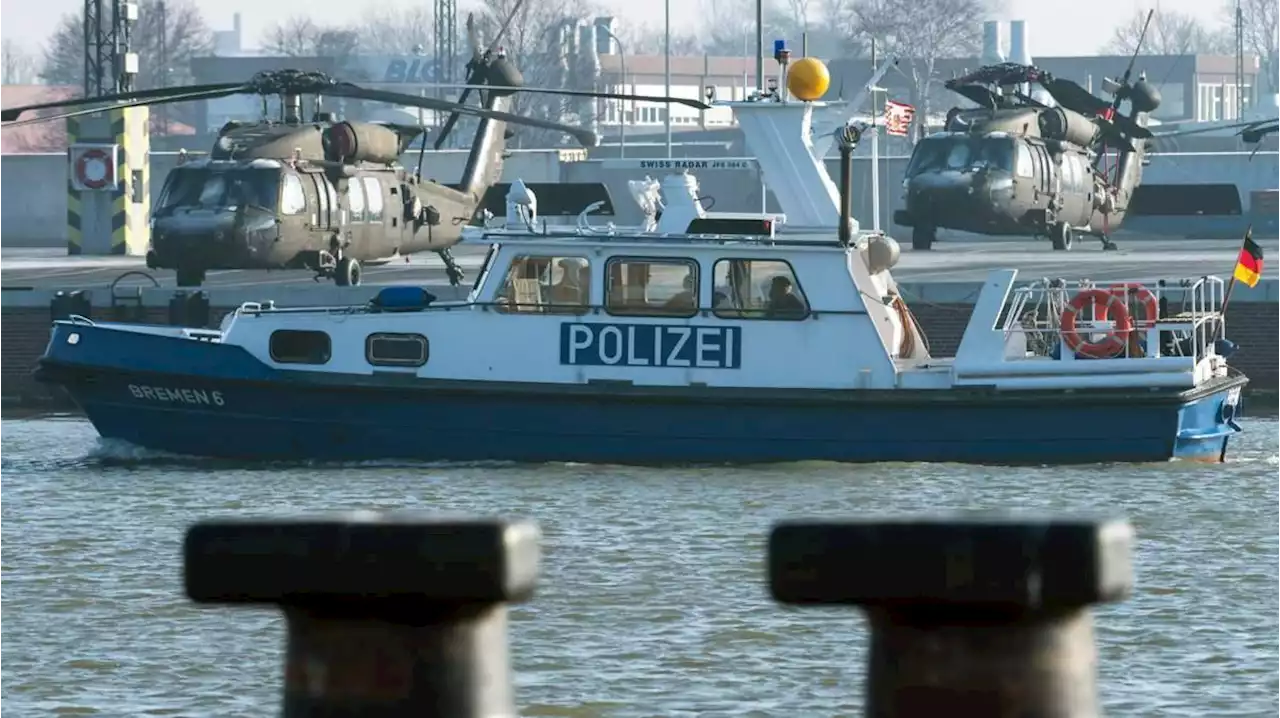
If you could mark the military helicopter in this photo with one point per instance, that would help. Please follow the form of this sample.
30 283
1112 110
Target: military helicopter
1051 161
326 195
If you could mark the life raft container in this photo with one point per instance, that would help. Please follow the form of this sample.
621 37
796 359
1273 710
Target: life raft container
1106 305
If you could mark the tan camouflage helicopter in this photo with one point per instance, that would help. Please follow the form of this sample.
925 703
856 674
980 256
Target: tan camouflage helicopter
326 195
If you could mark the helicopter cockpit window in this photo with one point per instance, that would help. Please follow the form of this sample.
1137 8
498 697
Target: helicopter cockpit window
958 153
292 199
995 152
205 188
1024 164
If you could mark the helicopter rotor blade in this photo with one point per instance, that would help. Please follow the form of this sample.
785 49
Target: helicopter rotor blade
11 114
1260 126
342 89
187 96
695 104
502 31
473 37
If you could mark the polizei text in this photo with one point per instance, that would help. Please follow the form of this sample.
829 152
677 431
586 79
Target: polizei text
655 345
176 395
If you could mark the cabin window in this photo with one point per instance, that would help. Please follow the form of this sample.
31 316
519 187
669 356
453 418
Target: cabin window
373 193
545 284
292 199
322 200
296 346
1024 162
651 287
758 289
355 196
335 206
402 350
1067 168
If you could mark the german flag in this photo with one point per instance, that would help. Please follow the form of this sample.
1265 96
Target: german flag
1249 264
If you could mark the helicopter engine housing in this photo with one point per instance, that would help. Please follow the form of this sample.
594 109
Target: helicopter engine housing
361 142
1059 123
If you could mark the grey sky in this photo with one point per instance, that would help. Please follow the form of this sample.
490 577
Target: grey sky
1050 31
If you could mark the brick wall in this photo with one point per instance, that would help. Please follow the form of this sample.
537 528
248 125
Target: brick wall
1254 326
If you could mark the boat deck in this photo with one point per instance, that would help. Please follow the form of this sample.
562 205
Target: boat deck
950 261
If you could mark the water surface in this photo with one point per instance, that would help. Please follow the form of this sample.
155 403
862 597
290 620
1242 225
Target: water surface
652 600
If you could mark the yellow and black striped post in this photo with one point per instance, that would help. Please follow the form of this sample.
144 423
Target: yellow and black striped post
115 220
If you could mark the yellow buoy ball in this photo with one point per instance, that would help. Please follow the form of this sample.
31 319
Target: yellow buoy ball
808 79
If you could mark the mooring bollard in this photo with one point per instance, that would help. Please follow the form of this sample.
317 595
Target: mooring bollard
388 614
968 617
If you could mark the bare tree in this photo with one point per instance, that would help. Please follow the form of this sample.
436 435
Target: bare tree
185 36
539 41
1260 19
397 31
729 28
299 36
166 37
1171 33
920 32
827 25
646 39
19 65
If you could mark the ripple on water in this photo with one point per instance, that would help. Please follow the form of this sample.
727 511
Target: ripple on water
651 601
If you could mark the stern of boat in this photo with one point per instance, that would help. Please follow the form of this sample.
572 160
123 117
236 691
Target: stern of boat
1208 419
1162 346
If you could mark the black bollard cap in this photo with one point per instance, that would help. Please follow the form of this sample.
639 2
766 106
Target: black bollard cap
362 556
1016 564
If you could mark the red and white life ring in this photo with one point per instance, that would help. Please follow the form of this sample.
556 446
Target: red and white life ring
1106 305
1145 299
1131 292
93 168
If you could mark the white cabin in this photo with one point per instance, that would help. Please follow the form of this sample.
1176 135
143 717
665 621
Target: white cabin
732 312
647 310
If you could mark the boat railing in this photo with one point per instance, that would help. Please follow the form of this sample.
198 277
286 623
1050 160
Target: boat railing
1179 319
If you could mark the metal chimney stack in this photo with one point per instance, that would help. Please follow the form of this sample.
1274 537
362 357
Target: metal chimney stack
1018 51
992 43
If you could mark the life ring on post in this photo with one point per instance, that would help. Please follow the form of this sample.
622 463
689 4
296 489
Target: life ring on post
93 154
1105 305
1131 292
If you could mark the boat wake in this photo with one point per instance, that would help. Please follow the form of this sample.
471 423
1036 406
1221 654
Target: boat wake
117 453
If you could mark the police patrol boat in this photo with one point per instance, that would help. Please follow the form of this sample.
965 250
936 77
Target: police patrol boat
628 347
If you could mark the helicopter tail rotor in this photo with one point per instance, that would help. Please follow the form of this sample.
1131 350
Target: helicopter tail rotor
487 66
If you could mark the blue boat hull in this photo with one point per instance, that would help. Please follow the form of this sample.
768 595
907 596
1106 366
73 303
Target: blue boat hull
217 400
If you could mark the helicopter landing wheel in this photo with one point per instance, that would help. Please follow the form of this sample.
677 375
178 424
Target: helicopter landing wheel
922 238
1060 236
190 277
347 273
1108 245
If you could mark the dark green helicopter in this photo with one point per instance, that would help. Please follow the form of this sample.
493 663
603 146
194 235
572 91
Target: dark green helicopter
325 195
1063 163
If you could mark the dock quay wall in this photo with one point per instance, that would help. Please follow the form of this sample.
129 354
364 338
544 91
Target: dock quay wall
34 183
942 308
